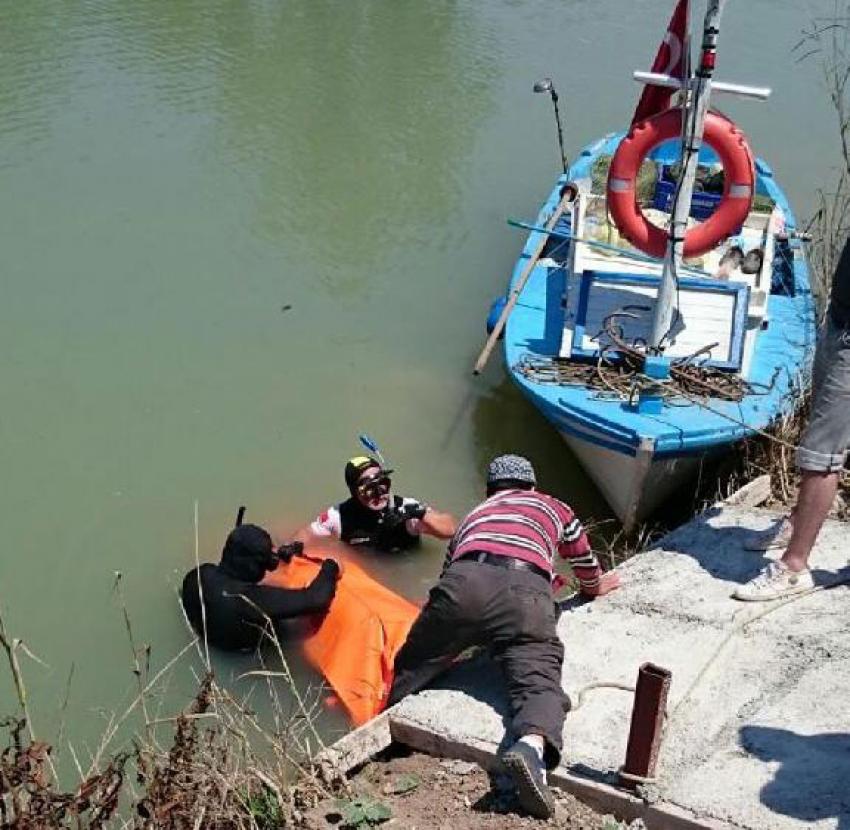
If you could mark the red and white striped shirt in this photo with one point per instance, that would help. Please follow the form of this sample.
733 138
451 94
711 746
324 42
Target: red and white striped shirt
531 526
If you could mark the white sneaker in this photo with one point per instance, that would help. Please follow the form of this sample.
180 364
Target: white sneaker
774 538
774 582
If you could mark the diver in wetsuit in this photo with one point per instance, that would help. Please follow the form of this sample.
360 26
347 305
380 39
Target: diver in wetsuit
375 517
236 607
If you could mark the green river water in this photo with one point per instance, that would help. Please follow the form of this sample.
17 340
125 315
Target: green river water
233 235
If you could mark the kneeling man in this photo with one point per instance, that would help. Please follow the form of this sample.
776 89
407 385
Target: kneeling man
496 591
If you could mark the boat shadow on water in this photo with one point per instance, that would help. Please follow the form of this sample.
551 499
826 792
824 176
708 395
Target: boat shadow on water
504 421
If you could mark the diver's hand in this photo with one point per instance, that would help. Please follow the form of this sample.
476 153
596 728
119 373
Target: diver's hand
323 588
286 552
416 510
392 517
395 516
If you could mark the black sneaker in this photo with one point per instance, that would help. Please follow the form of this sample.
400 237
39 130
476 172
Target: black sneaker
528 773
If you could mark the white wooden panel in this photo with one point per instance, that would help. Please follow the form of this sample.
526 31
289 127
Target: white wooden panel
577 250
707 317
573 286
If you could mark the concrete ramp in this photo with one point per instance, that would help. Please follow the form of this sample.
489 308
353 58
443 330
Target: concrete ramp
758 727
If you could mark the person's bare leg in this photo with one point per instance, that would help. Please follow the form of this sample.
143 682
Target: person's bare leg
817 493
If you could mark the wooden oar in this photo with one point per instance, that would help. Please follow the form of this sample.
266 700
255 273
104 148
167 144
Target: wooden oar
566 199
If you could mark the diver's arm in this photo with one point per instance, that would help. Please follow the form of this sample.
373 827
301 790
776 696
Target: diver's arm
422 518
441 525
265 601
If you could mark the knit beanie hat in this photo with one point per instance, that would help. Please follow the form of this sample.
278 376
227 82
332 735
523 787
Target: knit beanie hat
511 468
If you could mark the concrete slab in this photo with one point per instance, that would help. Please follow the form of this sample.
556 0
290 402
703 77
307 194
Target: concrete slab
355 748
758 729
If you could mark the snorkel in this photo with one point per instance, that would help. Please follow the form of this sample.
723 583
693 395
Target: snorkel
371 445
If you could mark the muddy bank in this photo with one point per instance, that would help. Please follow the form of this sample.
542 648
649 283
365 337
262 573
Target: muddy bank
420 792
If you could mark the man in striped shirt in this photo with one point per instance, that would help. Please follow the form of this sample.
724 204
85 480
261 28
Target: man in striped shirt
496 590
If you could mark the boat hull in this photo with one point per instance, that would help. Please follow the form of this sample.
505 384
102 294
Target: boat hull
634 486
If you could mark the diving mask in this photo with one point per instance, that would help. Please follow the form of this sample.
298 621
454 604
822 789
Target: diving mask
375 487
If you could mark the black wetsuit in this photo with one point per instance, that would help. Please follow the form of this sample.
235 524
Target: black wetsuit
237 607
381 529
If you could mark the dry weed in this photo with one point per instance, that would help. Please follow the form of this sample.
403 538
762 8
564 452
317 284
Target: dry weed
216 765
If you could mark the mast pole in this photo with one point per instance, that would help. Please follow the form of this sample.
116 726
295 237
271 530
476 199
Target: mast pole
694 108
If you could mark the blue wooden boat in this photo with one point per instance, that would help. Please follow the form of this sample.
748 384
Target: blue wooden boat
746 334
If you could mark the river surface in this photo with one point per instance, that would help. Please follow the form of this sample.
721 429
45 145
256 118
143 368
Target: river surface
234 235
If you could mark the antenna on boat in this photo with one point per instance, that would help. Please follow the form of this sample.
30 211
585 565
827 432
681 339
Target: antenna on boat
696 91
546 85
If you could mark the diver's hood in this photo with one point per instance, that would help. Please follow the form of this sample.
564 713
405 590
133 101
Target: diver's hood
248 553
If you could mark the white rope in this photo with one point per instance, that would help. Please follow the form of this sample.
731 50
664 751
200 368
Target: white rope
738 626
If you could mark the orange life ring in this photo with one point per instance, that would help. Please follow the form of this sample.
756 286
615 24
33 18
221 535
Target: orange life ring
735 155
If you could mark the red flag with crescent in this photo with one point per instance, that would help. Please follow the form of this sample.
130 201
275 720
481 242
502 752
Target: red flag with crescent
670 60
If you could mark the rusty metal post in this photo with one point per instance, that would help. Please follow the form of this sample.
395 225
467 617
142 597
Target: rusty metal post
648 712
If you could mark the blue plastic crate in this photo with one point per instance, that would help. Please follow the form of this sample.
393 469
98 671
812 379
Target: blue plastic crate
702 204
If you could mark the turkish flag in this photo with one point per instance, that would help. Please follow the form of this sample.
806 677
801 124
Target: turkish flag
670 60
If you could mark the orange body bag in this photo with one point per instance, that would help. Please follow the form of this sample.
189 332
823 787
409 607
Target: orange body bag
355 645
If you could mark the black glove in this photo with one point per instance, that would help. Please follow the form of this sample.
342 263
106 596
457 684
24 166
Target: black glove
330 569
286 552
391 518
395 516
414 511
323 587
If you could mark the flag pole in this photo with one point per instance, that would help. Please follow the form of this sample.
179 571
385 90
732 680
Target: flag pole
695 103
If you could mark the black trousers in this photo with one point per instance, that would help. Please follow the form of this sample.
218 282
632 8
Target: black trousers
512 612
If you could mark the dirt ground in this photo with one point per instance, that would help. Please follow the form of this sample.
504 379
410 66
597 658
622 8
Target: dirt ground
425 793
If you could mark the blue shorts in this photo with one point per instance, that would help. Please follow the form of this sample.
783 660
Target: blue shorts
824 445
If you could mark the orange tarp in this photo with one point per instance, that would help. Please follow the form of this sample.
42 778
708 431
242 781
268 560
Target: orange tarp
356 643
